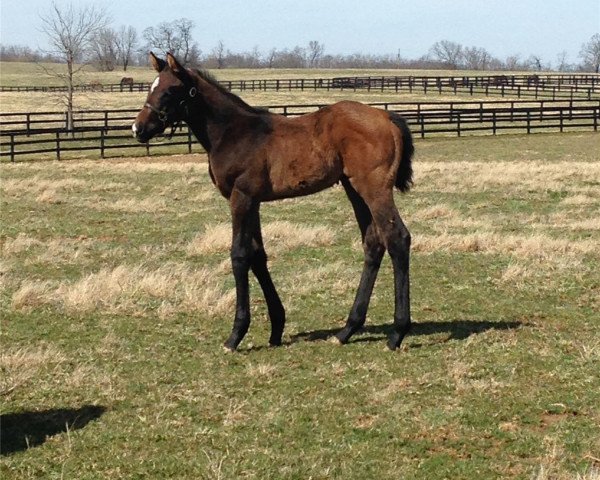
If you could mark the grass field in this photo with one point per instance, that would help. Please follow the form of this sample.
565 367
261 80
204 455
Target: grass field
116 295
15 73
25 73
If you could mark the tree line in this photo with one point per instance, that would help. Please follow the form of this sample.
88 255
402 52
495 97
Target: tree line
111 48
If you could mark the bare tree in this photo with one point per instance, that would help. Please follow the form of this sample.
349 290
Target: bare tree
590 53
271 56
295 58
476 58
126 42
535 63
22 53
173 37
513 63
447 52
70 31
219 54
314 53
562 65
103 49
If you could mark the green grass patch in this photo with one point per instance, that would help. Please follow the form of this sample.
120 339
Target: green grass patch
116 295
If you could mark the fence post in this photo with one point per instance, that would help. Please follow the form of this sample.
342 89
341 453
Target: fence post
528 121
12 148
57 145
561 120
102 143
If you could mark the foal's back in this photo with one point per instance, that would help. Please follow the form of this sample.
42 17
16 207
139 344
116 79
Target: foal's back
311 152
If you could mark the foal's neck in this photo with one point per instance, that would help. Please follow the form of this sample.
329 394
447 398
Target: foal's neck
214 110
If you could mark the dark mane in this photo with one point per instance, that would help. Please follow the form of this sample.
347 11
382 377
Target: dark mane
208 77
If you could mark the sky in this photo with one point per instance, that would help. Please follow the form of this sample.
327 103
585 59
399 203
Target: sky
503 27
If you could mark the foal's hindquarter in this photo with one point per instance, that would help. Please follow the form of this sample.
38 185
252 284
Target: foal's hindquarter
348 142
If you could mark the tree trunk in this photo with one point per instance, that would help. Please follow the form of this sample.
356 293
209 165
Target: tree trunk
70 122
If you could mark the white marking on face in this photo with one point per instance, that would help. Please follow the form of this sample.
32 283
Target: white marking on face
154 85
134 129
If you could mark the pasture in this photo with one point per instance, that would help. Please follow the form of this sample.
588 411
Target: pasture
30 74
116 296
27 73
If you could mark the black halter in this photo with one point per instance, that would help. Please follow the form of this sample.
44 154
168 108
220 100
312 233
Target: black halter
163 115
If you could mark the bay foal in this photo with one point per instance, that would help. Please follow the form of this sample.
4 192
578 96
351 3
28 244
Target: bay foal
255 156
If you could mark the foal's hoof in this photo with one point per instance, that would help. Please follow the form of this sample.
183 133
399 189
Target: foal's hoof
335 340
228 349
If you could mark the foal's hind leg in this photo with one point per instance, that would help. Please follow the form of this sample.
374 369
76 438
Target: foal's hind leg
374 250
396 238
261 272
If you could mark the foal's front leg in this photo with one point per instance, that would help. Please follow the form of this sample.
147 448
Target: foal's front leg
242 208
261 272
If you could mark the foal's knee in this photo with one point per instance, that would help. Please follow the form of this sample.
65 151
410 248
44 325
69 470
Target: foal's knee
406 238
240 259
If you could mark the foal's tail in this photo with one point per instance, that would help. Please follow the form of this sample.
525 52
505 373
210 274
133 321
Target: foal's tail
405 172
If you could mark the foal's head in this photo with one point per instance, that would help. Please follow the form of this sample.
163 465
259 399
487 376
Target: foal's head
167 100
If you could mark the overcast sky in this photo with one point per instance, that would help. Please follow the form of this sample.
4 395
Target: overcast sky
503 27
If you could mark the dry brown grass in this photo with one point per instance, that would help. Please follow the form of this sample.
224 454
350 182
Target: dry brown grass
278 236
40 186
53 250
335 277
131 289
20 366
131 205
534 246
458 176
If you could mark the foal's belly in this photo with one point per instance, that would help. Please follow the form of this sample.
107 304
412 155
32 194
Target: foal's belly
303 173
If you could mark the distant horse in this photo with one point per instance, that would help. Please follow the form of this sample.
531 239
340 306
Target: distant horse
533 80
126 82
255 156
499 80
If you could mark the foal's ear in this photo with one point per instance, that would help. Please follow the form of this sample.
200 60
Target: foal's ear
175 66
158 64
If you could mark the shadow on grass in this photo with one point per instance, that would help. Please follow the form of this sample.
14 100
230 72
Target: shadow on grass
20 431
456 329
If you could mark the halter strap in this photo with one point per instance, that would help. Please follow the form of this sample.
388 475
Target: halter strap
162 114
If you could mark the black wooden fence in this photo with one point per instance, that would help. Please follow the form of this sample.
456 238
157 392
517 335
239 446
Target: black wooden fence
35 135
520 86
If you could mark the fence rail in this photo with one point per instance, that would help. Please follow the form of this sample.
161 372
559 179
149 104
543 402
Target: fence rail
520 86
106 130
